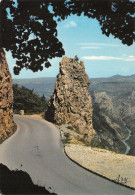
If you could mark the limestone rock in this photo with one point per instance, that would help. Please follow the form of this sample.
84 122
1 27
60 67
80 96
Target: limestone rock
21 112
71 102
108 124
7 125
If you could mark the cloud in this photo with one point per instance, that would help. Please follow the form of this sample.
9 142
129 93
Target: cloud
99 44
131 56
128 58
70 24
90 47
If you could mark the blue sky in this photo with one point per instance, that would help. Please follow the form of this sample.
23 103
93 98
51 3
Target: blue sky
102 56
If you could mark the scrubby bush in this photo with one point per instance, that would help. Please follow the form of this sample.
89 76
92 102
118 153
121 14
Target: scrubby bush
76 58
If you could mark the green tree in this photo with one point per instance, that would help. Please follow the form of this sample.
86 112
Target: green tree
30 32
25 99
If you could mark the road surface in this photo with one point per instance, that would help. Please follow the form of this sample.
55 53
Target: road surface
36 148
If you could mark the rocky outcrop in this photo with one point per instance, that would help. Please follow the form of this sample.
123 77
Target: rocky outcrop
7 126
71 103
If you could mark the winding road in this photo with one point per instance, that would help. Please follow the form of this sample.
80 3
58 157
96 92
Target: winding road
36 148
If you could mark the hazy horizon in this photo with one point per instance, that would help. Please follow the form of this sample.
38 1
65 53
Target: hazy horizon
89 77
103 56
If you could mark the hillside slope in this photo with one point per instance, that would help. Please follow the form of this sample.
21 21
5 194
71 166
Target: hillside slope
40 85
121 90
108 124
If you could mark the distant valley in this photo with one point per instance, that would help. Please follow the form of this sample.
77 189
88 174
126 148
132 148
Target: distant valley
117 104
113 108
40 85
45 85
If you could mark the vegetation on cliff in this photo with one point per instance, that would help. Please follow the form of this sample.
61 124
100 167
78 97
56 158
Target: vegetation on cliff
27 100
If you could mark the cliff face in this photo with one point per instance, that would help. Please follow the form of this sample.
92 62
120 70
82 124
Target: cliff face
71 103
127 113
121 90
108 124
6 99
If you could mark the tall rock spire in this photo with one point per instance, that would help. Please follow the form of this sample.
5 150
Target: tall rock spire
71 102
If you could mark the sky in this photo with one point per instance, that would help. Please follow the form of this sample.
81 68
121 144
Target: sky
103 56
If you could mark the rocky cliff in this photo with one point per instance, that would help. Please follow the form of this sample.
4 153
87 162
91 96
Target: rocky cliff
108 124
127 113
71 103
121 92
7 126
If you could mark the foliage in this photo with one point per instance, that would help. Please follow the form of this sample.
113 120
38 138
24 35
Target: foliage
18 182
76 58
25 99
30 32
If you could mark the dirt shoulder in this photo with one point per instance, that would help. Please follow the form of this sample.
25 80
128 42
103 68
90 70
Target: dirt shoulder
38 116
117 167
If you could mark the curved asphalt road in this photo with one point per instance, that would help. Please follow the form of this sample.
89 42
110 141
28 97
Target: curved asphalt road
36 148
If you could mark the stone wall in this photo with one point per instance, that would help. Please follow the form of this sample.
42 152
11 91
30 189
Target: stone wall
71 102
7 126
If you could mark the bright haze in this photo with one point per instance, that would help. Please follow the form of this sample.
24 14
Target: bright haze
103 56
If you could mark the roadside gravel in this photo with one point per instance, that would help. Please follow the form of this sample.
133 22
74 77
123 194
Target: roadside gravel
117 167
